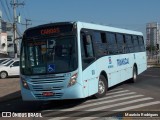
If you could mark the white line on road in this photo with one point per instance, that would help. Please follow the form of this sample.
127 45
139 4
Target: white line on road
122 91
97 103
108 106
125 109
138 106
108 97
115 89
97 100
119 104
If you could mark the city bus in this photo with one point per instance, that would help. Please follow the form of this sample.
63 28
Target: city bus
71 60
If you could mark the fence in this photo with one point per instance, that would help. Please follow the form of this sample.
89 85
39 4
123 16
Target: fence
153 58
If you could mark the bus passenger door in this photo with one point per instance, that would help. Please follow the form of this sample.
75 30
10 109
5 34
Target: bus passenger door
88 65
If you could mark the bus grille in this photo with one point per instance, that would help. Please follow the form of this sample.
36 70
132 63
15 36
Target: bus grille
56 95
40 88
47 80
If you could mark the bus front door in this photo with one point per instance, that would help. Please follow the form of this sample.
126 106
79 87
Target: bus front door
88 65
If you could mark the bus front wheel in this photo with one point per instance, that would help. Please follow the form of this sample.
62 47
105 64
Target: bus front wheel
102 87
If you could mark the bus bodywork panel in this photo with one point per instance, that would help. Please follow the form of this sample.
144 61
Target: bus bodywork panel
118 68
57 85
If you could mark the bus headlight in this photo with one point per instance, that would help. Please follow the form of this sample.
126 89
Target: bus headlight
73 80
24 83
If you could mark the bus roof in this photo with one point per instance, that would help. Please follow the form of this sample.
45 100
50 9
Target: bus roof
91 26
107 28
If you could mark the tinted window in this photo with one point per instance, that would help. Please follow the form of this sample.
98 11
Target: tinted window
111 43
9 62
103 37
120 43
129 44
15 64
49 55
97 37
86 50
9 38
135 43
88 46
2 60
100 43
141 43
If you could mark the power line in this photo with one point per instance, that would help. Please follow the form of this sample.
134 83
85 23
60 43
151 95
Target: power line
27 23
15 4
9 10
4 9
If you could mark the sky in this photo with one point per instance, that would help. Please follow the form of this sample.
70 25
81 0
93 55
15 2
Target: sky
128 14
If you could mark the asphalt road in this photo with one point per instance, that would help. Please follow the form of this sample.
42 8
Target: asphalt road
144 95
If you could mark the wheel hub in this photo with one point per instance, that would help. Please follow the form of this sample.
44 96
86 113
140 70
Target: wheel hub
101 87
3 75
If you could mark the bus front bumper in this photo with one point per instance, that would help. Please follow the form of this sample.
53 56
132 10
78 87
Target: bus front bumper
72 92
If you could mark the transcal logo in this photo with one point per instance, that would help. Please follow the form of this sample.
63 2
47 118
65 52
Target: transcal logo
110 62
122 61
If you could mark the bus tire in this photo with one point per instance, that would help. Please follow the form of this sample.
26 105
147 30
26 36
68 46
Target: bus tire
134 77
102 87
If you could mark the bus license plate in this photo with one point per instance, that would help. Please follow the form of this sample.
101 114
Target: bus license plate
47 93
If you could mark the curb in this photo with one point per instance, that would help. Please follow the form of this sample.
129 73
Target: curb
153 66
11 96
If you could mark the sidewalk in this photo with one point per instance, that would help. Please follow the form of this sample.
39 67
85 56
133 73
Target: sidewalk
9 89
153 65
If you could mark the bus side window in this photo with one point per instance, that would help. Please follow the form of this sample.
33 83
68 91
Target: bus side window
111 43
136 43
129 44
141 43
120 43
88 46
86 50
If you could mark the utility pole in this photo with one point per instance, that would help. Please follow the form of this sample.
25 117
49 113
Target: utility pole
15 4
27 23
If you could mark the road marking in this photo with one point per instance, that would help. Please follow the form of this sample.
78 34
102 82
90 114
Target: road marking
109 106
99 103
138 106
84 118
151 76
115 89
108 97
103 118
97 100
119 104
122 91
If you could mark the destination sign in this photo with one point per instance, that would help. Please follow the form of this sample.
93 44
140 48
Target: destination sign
48 30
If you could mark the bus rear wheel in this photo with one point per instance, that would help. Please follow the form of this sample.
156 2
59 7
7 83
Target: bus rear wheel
134 78
102 87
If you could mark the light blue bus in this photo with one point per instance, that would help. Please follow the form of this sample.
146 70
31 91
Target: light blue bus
70 60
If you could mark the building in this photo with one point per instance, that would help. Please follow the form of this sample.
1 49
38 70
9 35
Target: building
3 38
153 34
6 38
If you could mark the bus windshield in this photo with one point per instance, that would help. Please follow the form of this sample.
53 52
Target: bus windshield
48 55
